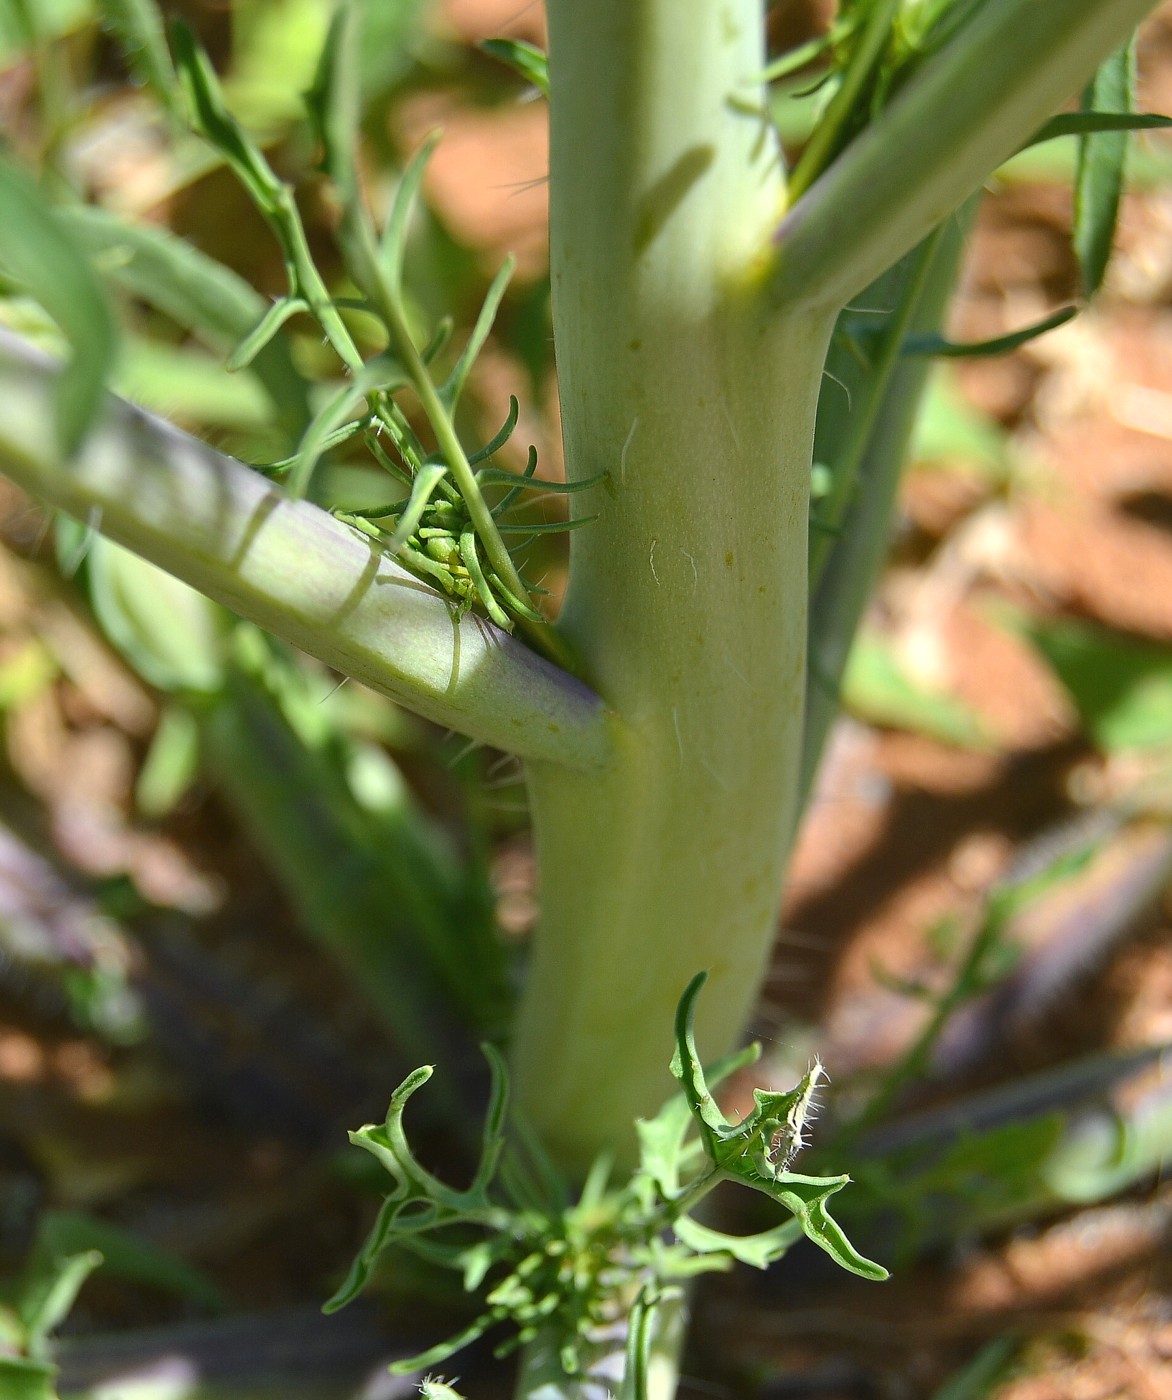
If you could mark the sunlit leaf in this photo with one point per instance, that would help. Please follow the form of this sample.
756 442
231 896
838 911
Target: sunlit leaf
1101 159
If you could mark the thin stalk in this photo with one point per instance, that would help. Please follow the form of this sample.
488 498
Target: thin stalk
391 311
294 570
967 110
829 134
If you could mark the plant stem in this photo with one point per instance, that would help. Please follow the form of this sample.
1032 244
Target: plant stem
878 450
293 569
687 595
968 109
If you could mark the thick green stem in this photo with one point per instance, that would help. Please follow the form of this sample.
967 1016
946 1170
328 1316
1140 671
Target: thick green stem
293 569
969 108
687 595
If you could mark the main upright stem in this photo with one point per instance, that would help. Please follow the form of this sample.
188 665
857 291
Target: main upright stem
687 595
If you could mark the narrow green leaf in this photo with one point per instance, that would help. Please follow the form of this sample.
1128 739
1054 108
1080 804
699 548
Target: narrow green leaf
38 253
442 1350
685 1065
877 689
1000 345
173 636
171 765
453 387
1100 172
138 27
640 1332
494 1120
526 59
333 418
427 478
547 527
359 1271
1088 123
497 476
212 119
470 558
758 1250
264 330
198 293
393 243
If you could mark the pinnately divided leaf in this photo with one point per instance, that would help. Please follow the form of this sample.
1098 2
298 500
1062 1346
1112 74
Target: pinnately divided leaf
757 1150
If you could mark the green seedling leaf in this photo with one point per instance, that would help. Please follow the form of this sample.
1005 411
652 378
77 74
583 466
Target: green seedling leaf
1088 123
1100 171
1122 688
800 57
334 101
38 253
640 1334
805 1198
442 1350
523 483
138 27
453 387
470 558
1000 345
494 1121
498 476
383 373
547 527
979 1378
715 1128
498 440
876 689
526 59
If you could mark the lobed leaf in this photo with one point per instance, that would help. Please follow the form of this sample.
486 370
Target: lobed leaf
999 345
